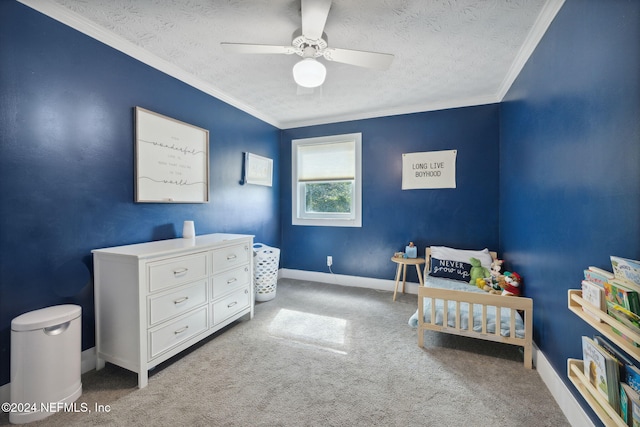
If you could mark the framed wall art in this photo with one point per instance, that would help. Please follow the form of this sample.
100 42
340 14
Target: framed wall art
171 160
430 169
258 170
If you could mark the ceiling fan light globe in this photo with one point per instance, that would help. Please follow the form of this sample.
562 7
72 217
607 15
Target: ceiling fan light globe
309 73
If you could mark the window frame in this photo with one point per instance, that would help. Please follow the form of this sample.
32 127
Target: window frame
297 191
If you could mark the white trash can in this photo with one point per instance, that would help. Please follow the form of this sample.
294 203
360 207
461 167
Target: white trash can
46 348
265 271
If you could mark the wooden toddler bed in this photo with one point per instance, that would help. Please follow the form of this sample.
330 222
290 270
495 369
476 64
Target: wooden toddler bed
515 324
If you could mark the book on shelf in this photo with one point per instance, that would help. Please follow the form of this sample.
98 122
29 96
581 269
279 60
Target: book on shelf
635 413
628 397
633 377
627 318
594 295
622 295
620 357
602 371
626 269
626 284
597 275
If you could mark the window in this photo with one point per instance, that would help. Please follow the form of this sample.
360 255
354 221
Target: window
326 181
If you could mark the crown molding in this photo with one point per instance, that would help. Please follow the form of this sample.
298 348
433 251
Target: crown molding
542 23
75 21
407 109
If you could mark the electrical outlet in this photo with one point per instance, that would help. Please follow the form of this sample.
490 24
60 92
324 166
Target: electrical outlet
329 260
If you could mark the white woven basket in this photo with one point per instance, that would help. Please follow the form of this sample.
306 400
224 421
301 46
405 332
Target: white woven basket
265 269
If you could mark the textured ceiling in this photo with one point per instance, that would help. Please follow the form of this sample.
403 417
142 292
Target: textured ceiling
447 53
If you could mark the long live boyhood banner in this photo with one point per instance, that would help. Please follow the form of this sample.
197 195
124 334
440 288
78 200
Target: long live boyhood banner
431 169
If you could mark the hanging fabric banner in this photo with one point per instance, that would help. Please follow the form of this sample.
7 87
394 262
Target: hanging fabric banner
431 169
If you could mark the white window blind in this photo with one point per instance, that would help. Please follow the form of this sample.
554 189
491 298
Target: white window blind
327 162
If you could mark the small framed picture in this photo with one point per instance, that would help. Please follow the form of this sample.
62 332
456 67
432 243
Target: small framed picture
258 170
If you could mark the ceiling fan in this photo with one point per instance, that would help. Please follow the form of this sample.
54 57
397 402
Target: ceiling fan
310 42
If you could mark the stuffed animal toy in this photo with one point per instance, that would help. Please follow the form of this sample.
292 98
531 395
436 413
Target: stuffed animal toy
488 285
497 278
477 271
496 267
483 283
511 284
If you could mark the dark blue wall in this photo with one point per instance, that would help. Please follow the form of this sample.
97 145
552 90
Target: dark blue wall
570 163
466 216
66 164
551 177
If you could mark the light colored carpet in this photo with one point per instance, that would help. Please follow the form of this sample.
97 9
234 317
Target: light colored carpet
325 355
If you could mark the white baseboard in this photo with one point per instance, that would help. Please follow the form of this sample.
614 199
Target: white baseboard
560 392
558 389
88 361
344 280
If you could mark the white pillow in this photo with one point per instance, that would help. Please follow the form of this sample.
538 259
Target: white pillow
462 255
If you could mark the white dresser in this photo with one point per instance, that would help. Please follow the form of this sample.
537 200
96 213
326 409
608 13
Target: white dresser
153 300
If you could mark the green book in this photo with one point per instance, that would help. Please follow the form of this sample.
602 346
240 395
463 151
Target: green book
625 403
622 295
627 318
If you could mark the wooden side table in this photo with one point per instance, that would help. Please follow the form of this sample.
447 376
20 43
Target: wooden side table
402 267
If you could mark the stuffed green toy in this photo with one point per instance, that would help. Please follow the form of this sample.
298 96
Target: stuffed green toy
477 271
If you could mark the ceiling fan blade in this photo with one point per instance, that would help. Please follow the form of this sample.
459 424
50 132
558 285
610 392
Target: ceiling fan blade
314 17
256 48
379 61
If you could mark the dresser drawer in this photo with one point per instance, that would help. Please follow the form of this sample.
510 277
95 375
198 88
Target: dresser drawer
230 280
167 305
176 271
230 305
232 256
177 331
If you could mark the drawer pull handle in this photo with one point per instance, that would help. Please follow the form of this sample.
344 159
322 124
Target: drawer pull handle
181 330
180 271
179 300
232 304
230 281
232 256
